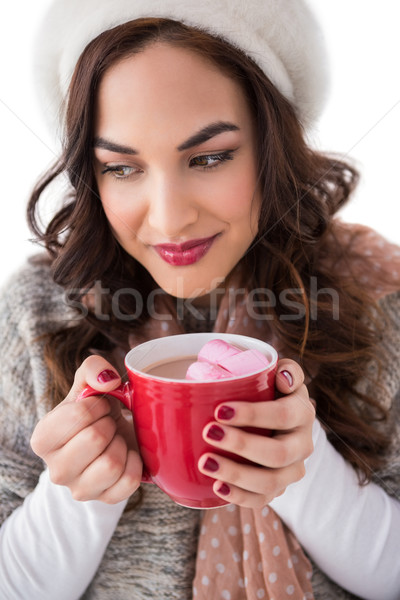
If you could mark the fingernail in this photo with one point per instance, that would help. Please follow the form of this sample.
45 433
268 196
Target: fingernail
106 376
288 377
211 465
225 413
215 433
224 489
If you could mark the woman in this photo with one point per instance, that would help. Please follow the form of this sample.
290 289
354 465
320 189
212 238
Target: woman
190 179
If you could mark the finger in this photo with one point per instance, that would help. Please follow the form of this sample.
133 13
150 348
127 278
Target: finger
285 413
289 376
267 482
242 497
274 452
128 483
64 422
96 372
72 459
102 473
239 496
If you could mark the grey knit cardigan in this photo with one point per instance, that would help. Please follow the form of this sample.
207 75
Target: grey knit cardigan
153 550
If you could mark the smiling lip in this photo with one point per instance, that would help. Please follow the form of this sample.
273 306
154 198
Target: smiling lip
186 253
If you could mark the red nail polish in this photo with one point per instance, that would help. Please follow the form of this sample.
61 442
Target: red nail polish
215 433
224 489
225 413
211 465
106 376
288 377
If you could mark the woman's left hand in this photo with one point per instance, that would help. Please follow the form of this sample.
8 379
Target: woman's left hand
279 459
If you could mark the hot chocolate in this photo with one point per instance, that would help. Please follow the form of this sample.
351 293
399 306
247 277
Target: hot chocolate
175 368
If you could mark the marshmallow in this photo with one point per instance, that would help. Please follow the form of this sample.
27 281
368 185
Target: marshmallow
219 360
244 363
215 350
204 370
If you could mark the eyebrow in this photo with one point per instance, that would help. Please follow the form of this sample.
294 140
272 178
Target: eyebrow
205 134
100 142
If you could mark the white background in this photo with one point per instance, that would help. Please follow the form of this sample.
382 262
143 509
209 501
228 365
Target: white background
361 120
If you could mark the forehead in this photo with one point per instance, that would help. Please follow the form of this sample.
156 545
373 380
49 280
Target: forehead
169 87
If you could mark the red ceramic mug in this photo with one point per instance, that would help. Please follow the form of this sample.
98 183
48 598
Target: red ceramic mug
169 414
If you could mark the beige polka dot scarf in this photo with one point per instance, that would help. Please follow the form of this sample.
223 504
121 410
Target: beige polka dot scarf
246 554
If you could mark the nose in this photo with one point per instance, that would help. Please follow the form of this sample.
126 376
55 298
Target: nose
171 206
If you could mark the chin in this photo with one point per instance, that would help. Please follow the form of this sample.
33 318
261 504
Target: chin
190 290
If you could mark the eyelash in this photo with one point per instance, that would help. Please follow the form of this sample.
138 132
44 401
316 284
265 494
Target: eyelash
112 170
220 157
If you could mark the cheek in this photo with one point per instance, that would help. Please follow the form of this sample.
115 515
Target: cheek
123 216
117 221
238 200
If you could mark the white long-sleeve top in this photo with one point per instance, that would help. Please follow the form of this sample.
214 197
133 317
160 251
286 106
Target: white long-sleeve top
52 545
352 532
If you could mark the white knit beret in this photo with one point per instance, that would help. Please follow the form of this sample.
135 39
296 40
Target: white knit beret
281 36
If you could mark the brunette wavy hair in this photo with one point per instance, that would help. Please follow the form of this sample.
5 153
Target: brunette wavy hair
301 191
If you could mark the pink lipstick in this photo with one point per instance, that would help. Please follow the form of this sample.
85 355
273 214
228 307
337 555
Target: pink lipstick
186 253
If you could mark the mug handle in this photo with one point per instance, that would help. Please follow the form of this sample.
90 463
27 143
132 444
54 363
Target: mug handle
124 394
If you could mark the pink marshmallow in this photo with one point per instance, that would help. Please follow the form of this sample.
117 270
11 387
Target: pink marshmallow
244 363
216 350
204 370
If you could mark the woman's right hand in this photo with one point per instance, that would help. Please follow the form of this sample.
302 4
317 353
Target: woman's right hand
88 445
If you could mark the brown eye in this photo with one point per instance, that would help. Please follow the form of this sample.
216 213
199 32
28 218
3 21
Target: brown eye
119 171
209 161
201 161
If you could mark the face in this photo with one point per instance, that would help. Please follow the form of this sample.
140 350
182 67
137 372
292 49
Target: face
175 167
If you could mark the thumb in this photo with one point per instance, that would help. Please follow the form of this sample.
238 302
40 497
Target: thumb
96 372
289 376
